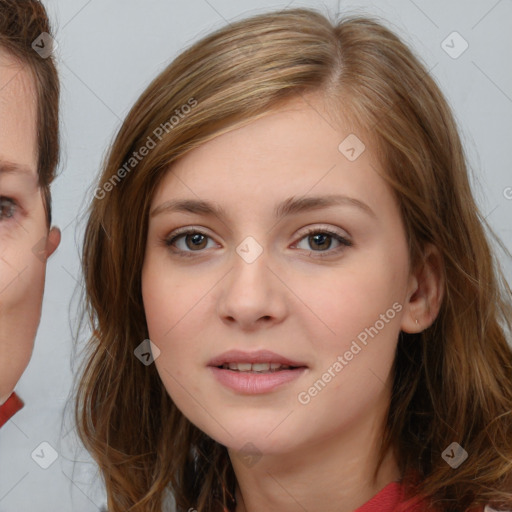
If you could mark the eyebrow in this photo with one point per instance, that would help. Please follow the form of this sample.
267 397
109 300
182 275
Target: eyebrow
15 168
289 206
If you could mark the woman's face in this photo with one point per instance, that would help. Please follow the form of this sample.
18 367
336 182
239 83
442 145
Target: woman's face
23 227
250 279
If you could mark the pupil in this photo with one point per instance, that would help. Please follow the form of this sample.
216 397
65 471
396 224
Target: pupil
323 237
196 240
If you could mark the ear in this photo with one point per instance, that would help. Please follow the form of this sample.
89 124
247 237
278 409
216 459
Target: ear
425 292
52 241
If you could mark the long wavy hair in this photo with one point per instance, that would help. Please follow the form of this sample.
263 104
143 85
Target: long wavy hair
452 382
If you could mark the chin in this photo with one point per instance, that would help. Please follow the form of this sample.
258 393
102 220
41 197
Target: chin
243 435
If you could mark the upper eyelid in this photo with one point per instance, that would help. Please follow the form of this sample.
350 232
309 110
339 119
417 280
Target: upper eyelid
324 228
303 231
11 199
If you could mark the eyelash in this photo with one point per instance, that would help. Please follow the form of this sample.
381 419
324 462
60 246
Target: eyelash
11 205
190 231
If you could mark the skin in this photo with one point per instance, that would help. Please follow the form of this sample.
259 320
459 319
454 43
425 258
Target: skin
289 300
23 224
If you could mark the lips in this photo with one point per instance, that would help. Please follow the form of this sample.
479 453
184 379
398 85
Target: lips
259 361
255 373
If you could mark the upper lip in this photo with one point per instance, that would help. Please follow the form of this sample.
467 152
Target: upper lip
259 356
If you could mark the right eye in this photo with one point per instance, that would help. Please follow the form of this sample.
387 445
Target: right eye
7 208
194 242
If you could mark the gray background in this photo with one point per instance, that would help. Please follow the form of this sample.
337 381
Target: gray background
108 52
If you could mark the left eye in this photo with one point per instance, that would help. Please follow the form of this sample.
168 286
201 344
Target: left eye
323 240
7 208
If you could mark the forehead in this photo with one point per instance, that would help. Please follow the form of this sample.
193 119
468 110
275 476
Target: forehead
18 113
296 149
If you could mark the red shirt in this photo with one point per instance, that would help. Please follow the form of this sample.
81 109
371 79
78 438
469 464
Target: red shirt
10 408
392 499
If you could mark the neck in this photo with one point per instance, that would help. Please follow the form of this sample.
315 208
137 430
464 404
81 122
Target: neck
333 475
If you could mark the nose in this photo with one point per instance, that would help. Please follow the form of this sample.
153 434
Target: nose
253 295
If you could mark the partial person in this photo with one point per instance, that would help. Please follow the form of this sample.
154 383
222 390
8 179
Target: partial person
29 154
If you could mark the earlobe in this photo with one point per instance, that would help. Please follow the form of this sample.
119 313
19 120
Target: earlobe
53 241
425 294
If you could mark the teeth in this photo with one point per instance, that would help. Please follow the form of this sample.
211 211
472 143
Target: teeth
255 367
260 367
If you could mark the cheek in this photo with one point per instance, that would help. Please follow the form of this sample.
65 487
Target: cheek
22 269
350 300
170 298
362 307
173 306
177 306
22 276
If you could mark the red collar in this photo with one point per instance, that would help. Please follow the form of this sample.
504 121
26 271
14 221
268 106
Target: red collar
10 408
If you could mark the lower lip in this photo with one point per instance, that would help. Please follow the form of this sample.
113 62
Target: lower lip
253 383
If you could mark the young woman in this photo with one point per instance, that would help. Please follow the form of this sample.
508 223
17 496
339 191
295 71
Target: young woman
285 228
29 152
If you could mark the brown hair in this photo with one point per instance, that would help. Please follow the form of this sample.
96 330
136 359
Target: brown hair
452 382
21 23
